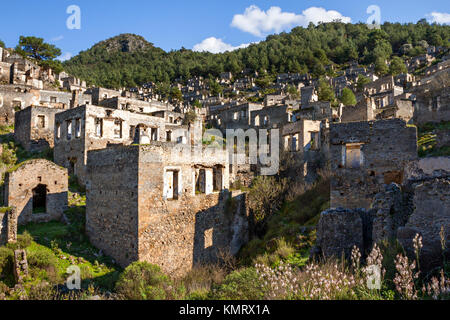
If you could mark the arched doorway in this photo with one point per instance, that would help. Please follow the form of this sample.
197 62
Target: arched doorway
40 199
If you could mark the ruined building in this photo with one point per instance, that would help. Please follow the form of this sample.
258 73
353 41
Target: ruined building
34 128
366 155
163 203
90 127
37 189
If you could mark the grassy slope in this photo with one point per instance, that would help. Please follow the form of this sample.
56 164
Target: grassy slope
427 140
291 231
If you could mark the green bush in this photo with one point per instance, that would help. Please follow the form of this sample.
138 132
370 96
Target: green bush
242 284
6 265
23 241
143 281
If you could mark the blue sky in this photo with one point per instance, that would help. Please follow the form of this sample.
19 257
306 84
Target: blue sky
173 24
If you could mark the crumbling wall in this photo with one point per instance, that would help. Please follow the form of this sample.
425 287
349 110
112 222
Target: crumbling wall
381 159
131 217
8 225
21 183
430 219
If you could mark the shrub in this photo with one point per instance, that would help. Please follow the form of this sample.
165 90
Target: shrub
143 281
242 284
6 266
23 241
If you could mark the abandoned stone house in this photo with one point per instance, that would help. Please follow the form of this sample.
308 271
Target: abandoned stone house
164 204
90 127
432 98
317 111
34 128
271 117
233 117
37 189
303 140
308 95
14 98
271 100
382 92
366 155
133 105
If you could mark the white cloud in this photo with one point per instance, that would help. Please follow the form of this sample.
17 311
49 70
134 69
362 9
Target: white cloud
259 22
215 45
439 17
58 38
65 56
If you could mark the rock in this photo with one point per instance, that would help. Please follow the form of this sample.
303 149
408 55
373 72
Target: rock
431 215
338 231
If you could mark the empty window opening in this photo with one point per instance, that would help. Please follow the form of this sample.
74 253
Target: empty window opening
17 105
172 185
72 166
353 155
99 127
53 100
208 238
154 134
200 186
314 140
218 178
118 129
78 128
41 122
58 130
169 136
69 129
40 199
257 121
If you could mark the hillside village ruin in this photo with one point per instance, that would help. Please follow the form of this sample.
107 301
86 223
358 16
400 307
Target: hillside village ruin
156 192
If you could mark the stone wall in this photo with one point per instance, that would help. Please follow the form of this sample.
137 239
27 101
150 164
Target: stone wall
36 176
8 225
131 217
364 156
71 152
361 112
34 128
430 219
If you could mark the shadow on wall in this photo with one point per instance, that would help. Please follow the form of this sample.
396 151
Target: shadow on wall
42 206
221 229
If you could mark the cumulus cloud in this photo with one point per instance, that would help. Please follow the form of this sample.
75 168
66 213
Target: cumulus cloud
215 45
259 22
65 56
439 17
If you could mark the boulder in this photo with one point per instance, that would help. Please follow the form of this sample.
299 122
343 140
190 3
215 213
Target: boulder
338 231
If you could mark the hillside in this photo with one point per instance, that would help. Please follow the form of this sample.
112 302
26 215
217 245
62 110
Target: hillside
129 60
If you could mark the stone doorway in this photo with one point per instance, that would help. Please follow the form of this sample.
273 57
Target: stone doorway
40 199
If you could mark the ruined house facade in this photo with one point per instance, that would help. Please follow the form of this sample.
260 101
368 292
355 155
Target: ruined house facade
34 128
366 155
90 127
164 204
37 189
14 98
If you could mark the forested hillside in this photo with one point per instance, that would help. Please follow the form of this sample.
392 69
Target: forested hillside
129 60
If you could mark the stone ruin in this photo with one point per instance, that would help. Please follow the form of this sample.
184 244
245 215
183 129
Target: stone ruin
421 205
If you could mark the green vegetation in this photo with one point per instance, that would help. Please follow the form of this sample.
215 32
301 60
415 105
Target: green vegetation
44 54
348 97
427 143
302 50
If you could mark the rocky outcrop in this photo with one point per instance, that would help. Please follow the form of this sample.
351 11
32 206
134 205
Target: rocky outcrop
391 210
338 231
430 219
